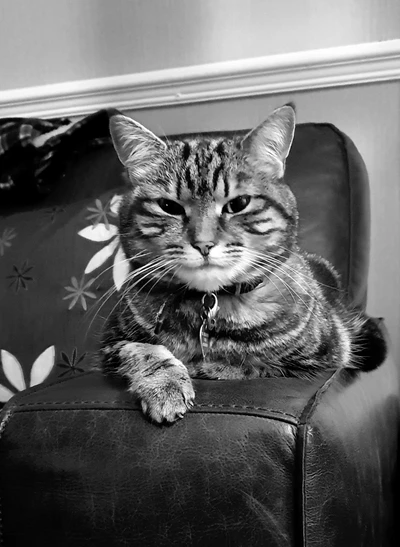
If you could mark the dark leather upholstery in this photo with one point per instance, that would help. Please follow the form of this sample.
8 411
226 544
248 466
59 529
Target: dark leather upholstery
269 462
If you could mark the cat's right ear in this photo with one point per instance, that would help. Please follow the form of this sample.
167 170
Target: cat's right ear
138 149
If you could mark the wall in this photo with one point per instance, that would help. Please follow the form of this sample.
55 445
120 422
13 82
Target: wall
49 41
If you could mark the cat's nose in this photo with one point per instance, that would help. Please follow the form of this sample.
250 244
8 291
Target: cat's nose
203 246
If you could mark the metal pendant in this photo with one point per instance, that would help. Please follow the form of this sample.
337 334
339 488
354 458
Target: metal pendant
204 340
209 311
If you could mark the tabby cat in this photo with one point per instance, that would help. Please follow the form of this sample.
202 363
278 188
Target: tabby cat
218 287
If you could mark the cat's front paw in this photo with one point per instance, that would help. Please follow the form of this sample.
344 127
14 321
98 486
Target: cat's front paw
169 404
168 396
161 381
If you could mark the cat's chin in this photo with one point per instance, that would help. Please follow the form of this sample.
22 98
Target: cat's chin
206 279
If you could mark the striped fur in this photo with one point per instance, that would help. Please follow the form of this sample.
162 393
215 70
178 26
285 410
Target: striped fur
202 214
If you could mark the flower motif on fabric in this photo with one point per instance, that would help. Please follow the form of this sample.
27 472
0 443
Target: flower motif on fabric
51 213
19 277
12 369
79 291
71 363
102 230
100 213
5 239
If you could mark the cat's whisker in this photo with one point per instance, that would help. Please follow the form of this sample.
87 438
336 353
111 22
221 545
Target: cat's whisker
175 272
281 268
99 304
171 268
131 275
118 262
96 308
136 293
132 286
303 274
153 275
144 271
113 290
264 270
107 293
155 268
284 272
290 289
255 265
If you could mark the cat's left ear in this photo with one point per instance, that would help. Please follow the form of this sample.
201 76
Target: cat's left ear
138 149
267 146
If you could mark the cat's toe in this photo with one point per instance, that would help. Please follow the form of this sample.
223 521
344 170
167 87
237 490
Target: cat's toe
188 397
164 411
169 405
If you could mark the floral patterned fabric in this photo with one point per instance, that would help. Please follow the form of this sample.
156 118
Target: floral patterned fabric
60 266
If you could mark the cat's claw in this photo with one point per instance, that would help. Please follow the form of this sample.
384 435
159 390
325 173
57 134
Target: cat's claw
169 405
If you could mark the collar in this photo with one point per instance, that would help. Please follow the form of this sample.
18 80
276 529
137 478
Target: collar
236 289
182 290
209 311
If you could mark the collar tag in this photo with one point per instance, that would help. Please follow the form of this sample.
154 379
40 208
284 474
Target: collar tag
209 311
204 337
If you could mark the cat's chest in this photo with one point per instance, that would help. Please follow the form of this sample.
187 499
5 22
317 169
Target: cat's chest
194 327
174 315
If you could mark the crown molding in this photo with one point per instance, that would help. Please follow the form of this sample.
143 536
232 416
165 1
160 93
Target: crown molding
274 74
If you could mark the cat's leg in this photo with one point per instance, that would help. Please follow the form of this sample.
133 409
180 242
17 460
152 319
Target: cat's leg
244 368
157 378
213 370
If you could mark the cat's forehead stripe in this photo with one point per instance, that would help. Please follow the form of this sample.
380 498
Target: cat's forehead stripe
203 166
187 149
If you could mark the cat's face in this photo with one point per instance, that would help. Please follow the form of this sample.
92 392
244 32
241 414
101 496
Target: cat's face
207 212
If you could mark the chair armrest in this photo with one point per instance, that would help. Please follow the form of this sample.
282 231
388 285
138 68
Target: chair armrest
259 462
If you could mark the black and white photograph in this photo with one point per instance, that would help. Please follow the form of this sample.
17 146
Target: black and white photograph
199 273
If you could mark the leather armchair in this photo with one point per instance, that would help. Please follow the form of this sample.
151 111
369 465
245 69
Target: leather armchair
268 462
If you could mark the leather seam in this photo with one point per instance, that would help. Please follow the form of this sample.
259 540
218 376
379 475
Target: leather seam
247 407
315 399
260 412
303 429
41 387
200 405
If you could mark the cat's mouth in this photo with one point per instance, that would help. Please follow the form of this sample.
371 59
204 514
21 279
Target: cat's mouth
205 265
205 276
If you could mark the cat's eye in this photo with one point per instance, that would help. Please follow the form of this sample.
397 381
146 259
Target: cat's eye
171 207
236 205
